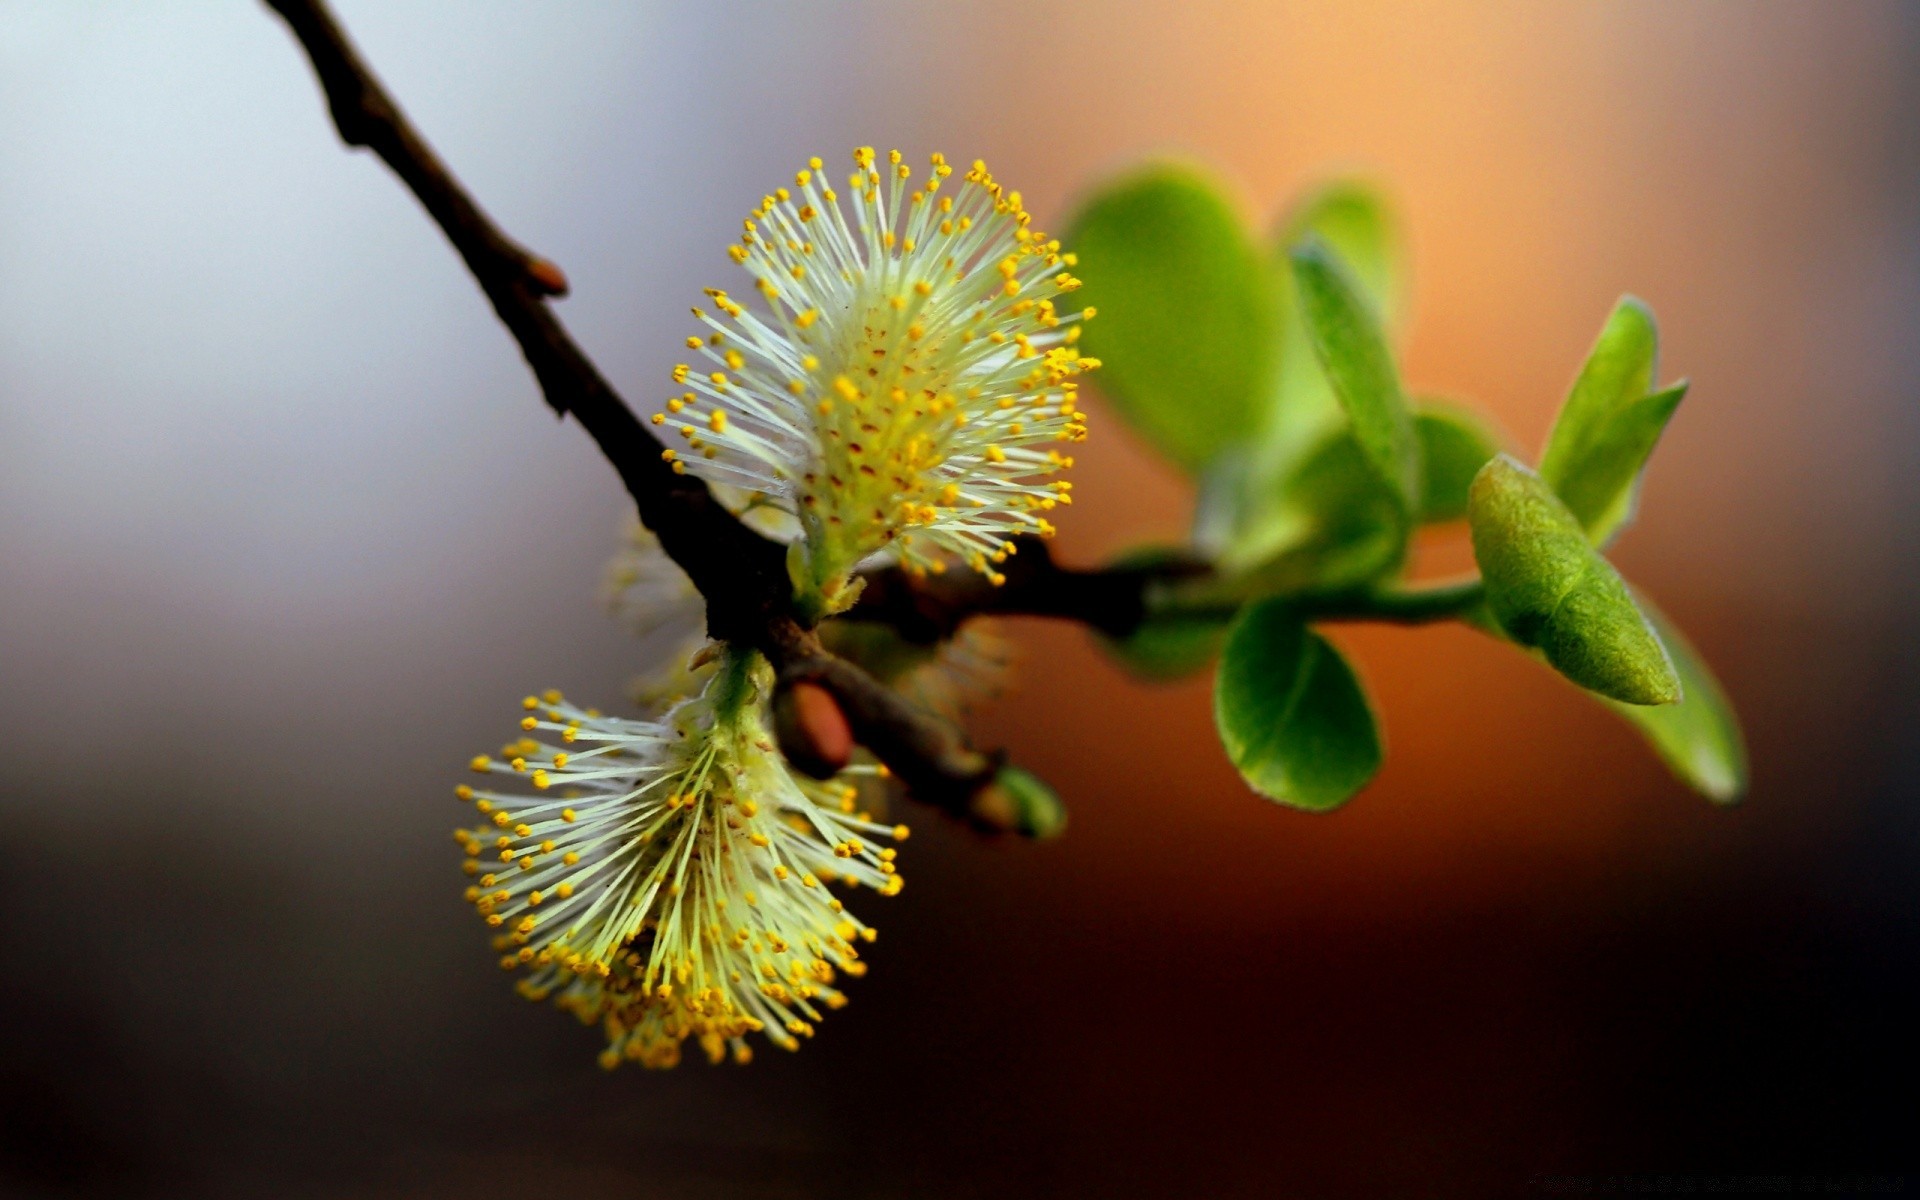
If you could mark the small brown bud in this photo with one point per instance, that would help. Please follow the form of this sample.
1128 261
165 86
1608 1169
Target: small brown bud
546 276
813 732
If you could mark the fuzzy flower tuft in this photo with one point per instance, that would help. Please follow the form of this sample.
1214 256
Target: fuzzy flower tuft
669 879
903 386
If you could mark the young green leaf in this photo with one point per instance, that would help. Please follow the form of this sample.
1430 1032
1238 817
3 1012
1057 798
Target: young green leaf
1698 738
1186 325
1248 513
1603 486
1353 218
1549 588
1291 714
1619 370
1352 350
1609 424
1454 445
1336 525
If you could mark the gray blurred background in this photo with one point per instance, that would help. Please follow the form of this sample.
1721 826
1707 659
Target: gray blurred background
285 532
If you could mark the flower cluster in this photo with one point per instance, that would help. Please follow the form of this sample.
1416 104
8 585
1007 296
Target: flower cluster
902 388
669 879
899 395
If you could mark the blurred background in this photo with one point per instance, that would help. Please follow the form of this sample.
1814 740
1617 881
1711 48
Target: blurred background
285 532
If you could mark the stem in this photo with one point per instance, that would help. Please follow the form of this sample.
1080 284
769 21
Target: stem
1400 605
1392 605
733 687
741 575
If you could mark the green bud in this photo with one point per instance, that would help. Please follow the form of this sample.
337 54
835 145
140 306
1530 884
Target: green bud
1018 802
1550 589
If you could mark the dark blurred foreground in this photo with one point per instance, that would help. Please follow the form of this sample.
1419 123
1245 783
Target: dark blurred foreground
1085 1018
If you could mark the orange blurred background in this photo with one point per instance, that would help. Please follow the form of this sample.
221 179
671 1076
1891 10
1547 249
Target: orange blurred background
287 533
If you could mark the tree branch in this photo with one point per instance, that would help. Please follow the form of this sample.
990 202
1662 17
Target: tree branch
1112 600
927 754
741 575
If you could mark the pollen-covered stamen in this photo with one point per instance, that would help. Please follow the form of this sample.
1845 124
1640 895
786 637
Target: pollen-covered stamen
910 359
671 876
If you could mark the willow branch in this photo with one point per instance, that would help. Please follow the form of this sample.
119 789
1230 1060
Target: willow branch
927 754
740 574
929 609
1115 600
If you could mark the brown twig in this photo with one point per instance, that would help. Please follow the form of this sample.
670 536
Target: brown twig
741 575
929 756
1112 600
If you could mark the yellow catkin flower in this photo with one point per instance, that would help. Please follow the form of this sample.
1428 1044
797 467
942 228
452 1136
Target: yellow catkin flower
910 366
666 882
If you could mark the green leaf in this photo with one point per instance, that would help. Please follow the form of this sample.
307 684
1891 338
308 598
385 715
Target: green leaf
1549 588
1454 445
1609 424
1603 488
1290 712
1348 342
1354 219
1698 738
1619 370
1246 515
1302 409
1186 327
1336 525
